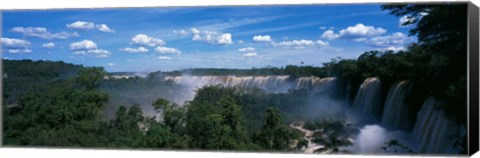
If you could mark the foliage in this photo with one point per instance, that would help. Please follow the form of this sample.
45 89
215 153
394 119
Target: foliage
396 146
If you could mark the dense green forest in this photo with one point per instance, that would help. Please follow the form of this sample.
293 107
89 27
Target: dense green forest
57 104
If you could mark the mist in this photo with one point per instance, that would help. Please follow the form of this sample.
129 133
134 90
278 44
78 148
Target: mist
322 102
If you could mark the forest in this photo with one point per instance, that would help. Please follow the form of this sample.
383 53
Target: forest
57 104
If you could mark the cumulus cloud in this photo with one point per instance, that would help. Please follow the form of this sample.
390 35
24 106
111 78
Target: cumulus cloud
356 32
167 50
246 49
212 37
163 58
104 28
329 34
225 38
397 38
88 47
135 50
249 55
143 39
48 45
12 45
262 38
83 45
43 33
300 44
85 25
195 31
81 25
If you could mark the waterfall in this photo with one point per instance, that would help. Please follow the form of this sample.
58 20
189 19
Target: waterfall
395 113
432 130
269 83
273 84
318 86
368 98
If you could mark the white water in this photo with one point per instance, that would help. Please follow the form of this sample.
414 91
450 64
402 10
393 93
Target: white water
432 130
311 146
274 84
368 98
395 113
430 133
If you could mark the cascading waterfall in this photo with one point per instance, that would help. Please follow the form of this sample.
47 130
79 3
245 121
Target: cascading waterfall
395 113
432 130
274 84
368 98
269 83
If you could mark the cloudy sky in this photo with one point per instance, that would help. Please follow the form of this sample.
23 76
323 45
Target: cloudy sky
168 38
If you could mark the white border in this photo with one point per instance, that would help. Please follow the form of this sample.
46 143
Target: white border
90 153
58 4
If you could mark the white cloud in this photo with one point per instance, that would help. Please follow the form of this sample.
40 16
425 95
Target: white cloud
354 32
262 38
48 45
325 27
142 39
195 31
42 32
88 47
240 41
83 45
65 35
395 39
212 37
246 49
81 25
94 52
329 34
300 44
164 58
135 50
225 38
84 25
14 43
181 32
19 50
394 48
406 18
110 64
322 43
167 50
249 55
104 28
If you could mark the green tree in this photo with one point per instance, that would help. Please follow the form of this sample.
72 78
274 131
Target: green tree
274 135
90 77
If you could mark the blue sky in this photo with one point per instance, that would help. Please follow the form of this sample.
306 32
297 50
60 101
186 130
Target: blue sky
172 38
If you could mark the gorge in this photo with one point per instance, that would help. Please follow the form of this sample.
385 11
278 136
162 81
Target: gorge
388 112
